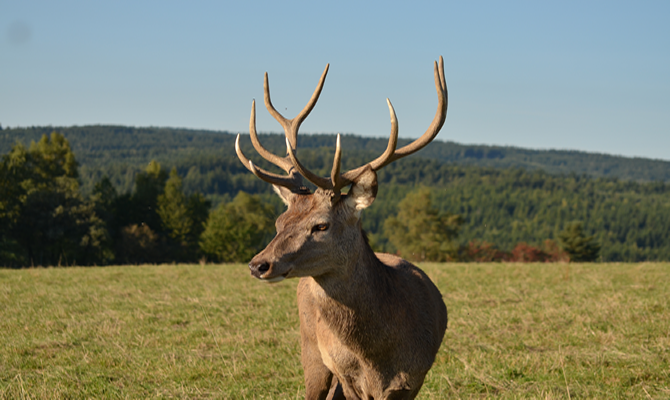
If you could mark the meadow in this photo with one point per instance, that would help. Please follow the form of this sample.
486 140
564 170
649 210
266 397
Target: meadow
549 331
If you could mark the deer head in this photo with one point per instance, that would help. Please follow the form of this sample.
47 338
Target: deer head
319 229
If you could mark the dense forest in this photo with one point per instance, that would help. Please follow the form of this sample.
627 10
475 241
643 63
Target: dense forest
499 197
120 152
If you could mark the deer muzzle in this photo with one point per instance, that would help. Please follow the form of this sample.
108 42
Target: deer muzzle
266 272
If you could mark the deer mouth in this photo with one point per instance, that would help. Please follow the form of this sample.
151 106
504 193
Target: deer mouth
275 279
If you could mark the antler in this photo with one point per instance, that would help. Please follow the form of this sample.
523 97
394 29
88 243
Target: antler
291 126
432 131
337 181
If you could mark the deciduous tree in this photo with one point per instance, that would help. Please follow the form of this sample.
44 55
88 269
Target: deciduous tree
45 219
236 231
422 233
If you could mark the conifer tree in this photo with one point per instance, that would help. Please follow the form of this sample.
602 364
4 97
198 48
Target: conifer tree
182 217
144 202
173 210
579 247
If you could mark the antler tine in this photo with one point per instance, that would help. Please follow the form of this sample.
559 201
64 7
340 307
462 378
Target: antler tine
393 140
382 160
312 101
282 162
268 104
438 120
391 154
292 181
335 177
245 161
291 126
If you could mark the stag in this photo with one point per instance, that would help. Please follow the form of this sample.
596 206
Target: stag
370 323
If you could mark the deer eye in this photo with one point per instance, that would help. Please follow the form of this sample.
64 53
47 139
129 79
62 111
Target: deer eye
320 227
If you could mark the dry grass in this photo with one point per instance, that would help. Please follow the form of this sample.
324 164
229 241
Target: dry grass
206 331
554 331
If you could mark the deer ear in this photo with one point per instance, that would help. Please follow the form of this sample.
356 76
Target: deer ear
363 191
284 193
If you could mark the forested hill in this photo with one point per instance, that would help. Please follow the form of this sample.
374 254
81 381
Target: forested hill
505 196
101 146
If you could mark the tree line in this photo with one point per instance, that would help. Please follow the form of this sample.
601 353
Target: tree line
100 148
211 207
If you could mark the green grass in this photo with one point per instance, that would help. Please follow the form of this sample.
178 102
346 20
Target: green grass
192 331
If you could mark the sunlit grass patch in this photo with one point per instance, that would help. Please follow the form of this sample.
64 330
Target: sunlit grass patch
553 331
192 331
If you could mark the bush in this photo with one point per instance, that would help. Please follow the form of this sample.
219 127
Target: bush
236 231
482 251
140 245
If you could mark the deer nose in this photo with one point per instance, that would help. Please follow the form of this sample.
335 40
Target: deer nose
259 268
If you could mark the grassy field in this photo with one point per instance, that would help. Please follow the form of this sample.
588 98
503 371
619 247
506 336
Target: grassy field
193 331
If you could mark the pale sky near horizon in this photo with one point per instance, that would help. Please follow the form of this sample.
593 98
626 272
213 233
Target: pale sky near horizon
582 75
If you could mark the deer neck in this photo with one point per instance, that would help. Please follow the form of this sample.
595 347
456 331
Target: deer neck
353 292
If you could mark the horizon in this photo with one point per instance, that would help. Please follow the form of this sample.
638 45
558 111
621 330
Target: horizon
569 76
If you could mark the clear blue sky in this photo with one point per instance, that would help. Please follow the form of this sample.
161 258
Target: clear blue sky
585 75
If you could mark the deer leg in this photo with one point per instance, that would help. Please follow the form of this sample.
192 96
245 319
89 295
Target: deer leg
318 378
335 392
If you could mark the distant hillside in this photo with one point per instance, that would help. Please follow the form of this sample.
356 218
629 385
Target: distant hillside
101 146
505 195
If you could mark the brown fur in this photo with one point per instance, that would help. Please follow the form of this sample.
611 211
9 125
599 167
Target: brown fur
370 323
